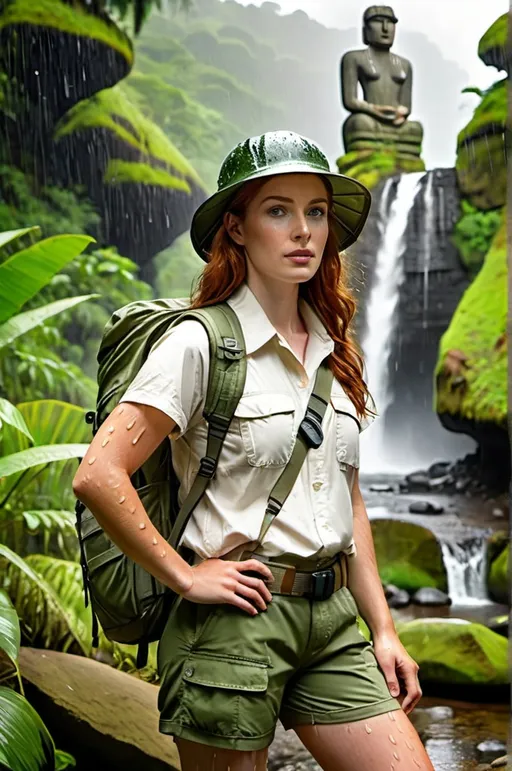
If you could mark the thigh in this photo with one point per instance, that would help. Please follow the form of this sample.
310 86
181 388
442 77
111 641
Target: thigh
387 742
200 757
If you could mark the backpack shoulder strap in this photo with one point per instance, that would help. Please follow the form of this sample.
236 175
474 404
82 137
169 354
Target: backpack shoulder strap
226 382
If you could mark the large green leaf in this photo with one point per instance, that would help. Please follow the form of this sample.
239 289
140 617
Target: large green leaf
45 619
51 421
25 743
24 322
25 273
11 415
11 235
9 628
37 456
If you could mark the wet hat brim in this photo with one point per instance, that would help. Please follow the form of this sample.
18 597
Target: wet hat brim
351 206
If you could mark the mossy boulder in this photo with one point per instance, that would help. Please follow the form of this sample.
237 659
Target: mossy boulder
456 654
498 579
62 52
471 373
371 166
408 555
492 48
142 183
481 159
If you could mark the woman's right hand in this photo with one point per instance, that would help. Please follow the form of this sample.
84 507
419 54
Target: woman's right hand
223 581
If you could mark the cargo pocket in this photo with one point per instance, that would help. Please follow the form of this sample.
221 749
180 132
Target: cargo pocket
267 428
226 696
347 431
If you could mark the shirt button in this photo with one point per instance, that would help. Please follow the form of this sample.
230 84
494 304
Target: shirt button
317 486
189 671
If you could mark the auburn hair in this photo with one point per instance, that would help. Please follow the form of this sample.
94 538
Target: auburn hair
327 293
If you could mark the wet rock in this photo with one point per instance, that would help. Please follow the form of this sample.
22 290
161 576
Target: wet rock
498 577
462 484
95 711
491 745
439 469
500 762
400 599
381 488
440 713
408 555
418 482
425 507
499 624
498 513
430 596
442 483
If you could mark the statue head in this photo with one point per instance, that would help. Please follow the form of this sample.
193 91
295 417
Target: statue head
379 26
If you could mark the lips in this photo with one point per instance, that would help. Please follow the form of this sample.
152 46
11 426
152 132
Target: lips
300 253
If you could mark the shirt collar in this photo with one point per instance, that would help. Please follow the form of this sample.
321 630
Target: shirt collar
257 328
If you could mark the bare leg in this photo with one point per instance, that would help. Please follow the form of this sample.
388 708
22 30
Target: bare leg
201 757
387 742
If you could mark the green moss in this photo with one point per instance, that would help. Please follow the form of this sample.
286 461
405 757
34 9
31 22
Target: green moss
462 654
408 555
118 171
498 580
110 109
481 171
369 166
492 111
495 37
473 234
478 330
67 17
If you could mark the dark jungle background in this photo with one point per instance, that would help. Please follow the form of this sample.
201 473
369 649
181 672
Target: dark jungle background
114 118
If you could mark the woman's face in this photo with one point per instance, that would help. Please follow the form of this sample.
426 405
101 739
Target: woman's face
285 228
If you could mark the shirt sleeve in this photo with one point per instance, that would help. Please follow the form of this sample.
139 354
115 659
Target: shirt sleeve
174 377
367 420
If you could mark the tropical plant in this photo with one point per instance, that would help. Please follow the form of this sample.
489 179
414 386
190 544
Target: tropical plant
25 742
473 235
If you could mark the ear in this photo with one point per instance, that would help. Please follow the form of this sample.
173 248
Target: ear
234 226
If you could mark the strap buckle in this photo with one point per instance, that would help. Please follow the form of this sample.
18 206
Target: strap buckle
231 349
322 584
207 467
310 429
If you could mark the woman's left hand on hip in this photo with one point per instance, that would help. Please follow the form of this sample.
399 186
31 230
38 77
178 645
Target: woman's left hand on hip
400 670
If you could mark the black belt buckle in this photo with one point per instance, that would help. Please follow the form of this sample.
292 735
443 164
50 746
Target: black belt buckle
323 584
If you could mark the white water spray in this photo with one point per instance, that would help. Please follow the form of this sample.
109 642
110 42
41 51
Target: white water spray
381 310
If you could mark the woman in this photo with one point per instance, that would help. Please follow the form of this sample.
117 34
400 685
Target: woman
247 642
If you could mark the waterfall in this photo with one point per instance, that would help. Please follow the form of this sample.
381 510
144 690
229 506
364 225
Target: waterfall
466 565
428 237
381 309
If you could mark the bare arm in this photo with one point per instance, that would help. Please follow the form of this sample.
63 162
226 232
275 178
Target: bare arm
103 483
364 580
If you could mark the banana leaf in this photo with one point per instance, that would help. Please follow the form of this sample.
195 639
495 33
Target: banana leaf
11 416
24 322
9 629
36 456
25 743
11 235
25 273
46 621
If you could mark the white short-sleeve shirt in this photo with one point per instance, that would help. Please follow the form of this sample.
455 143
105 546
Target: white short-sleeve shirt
316 519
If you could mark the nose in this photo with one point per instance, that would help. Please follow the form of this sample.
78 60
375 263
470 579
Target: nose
301 230
385 26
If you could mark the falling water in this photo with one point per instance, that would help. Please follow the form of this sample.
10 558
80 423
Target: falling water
428 235
465 565
381 309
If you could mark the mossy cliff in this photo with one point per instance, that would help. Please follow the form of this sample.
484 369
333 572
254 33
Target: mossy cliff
371 166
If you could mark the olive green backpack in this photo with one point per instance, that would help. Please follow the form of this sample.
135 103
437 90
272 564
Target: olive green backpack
130 604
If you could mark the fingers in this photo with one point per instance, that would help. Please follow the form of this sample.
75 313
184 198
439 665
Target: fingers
256 566
256 583
412 686
252 594
391 678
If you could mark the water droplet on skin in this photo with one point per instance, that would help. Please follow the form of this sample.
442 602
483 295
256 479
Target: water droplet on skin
91 461
154 541
392 739
132 509
409 745
367 728
391 716
134 441
111 429
98 484
396 756
399 728
120 410
142 526
131 424
105 442
122 499
417 762
163 553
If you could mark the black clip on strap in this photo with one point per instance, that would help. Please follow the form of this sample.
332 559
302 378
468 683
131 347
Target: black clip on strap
310 429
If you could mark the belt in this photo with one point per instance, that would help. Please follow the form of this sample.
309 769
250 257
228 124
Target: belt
313 584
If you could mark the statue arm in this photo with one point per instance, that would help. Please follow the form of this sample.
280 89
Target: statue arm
349 81
406 91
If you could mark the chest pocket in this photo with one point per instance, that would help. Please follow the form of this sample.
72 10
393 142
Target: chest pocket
347 431
267 428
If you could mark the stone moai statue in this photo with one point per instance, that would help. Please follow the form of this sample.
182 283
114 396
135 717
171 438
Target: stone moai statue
382 115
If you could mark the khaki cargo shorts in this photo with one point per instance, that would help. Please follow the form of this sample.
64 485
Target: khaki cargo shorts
227 677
